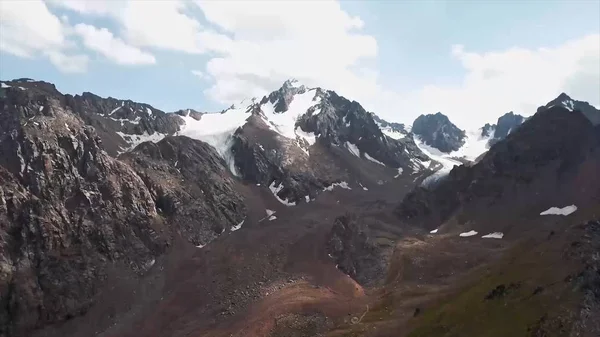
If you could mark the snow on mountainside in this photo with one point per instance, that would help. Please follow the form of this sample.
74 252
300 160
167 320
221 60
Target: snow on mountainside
591 112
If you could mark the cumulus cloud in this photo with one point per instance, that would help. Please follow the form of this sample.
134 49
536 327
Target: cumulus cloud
517 79
28 27
68 63
113 48
315 42
254 46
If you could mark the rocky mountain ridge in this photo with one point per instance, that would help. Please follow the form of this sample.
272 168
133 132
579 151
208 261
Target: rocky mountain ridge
69 211
437 131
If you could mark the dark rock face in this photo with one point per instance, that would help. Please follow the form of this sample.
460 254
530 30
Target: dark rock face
588 110
436 130
551 144
350 244
506 124
69 211
341 121
191 185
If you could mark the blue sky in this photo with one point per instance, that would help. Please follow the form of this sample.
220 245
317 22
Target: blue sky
397 58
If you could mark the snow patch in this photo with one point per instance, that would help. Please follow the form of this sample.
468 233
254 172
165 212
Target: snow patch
270 212
149 111
4 85
135 140
364 188
560 211
467 234
272 217
342 184
373 159
307 198
568 104
238 226
275 189
400 170
115 110
494 235
353 149
434 231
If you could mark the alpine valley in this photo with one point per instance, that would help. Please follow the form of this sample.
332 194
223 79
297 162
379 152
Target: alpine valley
294 214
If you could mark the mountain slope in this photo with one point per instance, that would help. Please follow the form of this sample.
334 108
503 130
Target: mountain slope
544 162
299 140
71 215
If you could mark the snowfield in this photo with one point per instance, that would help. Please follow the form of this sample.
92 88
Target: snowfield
474 146
560 211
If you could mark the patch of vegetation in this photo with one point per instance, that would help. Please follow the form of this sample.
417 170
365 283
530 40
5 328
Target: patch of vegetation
524 295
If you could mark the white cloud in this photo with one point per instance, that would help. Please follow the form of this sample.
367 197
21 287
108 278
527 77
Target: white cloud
28 27
516 79
160 24
68 63
313 41
253 46
200 74
113 48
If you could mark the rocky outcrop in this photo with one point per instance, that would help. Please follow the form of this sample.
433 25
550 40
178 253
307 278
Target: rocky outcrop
191 185
351 245
437 131
121 124
506 124
69 211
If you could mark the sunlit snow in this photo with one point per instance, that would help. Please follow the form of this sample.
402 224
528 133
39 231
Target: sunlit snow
400 170
494 235
474 146
275 189
434 231
440 157
342 184
284 123
217 130
238 226
353 149
135 140
467 234
560 211
373 159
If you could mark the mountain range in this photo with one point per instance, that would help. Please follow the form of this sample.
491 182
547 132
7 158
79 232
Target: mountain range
295 214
